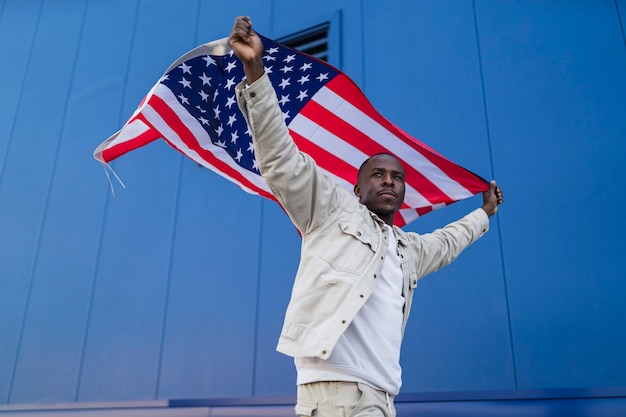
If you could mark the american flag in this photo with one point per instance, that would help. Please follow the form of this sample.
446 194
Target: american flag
193 108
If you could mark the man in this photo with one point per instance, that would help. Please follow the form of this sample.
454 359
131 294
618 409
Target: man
354 286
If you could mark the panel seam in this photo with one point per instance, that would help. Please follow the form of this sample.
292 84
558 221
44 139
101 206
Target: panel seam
94 277
621 23
497 218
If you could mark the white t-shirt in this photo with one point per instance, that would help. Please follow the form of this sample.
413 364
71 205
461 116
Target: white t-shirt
369 350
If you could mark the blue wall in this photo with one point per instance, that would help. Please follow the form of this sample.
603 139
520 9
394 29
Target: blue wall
175 287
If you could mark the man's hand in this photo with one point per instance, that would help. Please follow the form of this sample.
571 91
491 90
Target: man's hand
248 47
492 198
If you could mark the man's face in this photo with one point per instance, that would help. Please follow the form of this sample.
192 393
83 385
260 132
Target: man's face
380 186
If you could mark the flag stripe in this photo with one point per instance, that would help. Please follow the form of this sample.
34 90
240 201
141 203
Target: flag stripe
134 135
341 128
166 120
374 126
324 146
459 175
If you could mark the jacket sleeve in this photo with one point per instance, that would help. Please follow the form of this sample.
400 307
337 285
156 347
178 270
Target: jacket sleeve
444 245
304 191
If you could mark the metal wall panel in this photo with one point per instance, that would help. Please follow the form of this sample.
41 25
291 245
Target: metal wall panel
177 286
128 307
209 344
555 88
17 22
27 174
213 301
423 72
280 254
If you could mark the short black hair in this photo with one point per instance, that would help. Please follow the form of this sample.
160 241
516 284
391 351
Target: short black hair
358 175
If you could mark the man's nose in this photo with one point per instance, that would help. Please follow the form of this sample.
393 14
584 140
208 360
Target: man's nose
388 180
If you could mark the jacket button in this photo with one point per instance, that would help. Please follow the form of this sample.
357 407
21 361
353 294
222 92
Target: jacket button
361 295
374 275
358 233
414 281
323 352
343 322
253 94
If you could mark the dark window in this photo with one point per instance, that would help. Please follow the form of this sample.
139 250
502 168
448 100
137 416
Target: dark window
313 41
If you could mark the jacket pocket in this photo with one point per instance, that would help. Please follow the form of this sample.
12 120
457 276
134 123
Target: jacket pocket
361 233
349 250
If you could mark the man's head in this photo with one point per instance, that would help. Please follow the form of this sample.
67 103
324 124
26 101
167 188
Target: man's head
380 185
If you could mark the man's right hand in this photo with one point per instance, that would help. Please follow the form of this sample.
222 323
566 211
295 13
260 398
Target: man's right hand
492 198
248 47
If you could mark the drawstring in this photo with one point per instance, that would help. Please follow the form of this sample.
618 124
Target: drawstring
109 177
389 402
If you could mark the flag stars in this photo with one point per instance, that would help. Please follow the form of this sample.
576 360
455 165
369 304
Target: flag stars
284 100
230 101
229 83
303 95
183 99
213 102
322 77
186 68
205 79
231 66
205 96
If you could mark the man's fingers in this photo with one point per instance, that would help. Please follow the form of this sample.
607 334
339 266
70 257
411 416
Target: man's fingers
241 30
499 195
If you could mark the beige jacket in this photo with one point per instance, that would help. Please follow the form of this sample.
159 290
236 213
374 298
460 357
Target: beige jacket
342 241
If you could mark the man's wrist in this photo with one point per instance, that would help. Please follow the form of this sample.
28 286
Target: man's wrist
253 70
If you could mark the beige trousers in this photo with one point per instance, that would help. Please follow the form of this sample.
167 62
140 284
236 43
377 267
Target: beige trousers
343 399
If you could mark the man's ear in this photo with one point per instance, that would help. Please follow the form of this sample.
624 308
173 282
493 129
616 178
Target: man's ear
357 190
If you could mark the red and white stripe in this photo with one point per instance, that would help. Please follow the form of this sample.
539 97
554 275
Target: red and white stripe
339 128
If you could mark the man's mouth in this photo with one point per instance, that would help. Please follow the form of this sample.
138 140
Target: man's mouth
388 192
